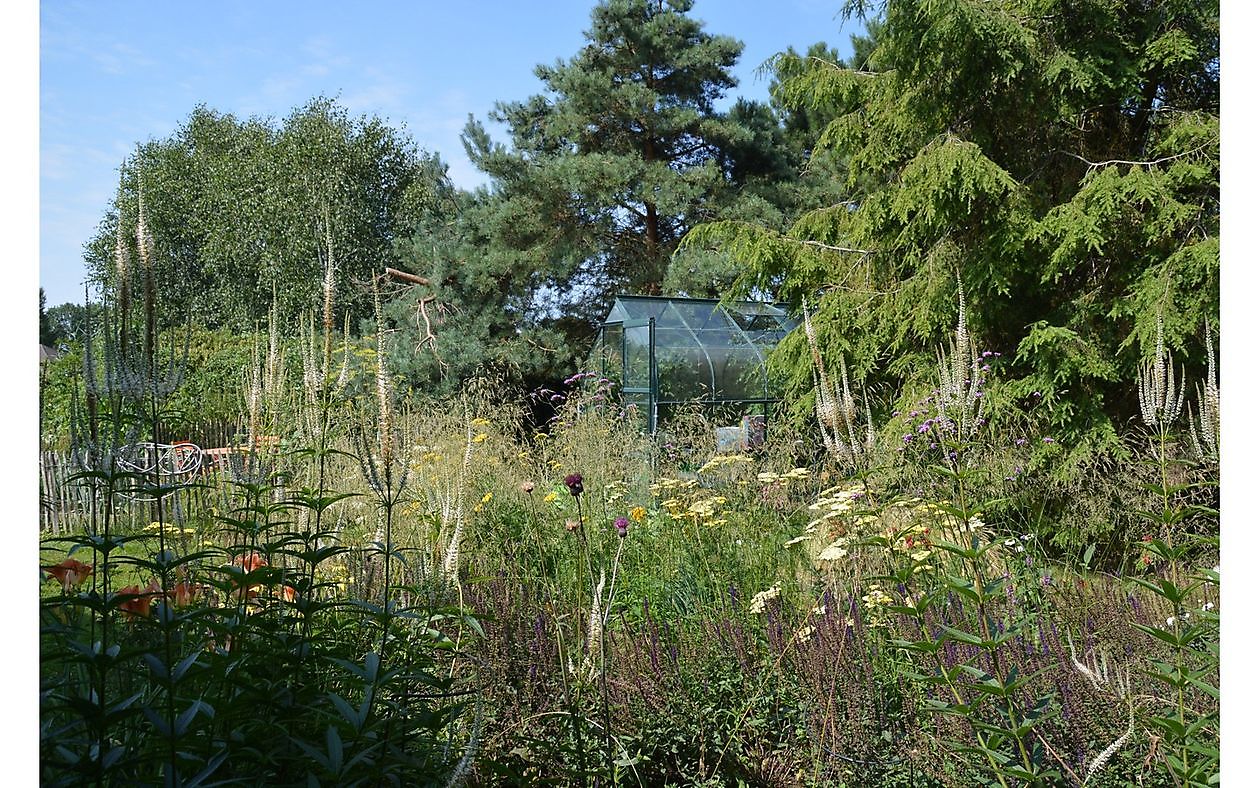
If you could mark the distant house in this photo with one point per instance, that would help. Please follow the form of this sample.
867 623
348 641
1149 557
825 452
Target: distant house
47 353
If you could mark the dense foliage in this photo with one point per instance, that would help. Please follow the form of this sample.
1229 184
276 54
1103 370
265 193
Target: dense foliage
1058 162
244 211
977 544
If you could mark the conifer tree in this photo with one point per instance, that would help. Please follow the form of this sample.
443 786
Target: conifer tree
616 160
1059 158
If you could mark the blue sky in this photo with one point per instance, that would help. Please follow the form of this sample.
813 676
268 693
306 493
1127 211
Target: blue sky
115 74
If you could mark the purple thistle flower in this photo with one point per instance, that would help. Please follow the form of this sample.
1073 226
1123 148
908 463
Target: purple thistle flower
907 438
574 482
622 524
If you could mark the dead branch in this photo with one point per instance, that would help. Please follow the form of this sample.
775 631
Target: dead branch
403 276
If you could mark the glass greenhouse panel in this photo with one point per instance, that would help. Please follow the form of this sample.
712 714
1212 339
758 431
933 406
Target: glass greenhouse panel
677 350
638 371
683 373
611 341
740 375
700 316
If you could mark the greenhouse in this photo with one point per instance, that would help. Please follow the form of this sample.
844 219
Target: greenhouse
663 352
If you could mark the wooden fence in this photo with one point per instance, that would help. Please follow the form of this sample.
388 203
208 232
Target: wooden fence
65 504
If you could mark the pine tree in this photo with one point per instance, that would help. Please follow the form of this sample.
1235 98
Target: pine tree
620 156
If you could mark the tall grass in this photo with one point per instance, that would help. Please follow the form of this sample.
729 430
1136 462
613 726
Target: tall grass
380 589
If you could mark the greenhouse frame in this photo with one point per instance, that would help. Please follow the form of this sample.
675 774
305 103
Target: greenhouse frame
664 352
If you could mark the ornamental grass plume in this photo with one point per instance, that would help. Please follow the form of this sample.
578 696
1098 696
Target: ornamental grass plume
960 378
330 287
146 249
1103 680
595 628
1159 396
384 389
837 409
122 269
1206 429
450 565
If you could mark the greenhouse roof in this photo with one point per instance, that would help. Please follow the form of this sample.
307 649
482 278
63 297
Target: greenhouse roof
742 322
680 349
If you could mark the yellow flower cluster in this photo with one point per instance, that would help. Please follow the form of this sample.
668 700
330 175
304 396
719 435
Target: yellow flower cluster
876 598
670 485
688 500
706 510
169 529
335 573
615 491
770 477
760 599
835 551
836 502
481 505
725 461
425 454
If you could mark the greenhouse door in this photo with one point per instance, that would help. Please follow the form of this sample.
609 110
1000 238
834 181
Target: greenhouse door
638 366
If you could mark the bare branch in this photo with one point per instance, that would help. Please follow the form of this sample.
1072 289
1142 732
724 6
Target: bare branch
1094 164
831 248
403 276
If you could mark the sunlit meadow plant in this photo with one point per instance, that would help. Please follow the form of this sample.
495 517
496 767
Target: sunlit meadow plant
229 650
1185 717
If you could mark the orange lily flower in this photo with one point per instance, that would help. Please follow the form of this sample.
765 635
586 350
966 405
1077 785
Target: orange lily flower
248 562
70 572
183 593
143 601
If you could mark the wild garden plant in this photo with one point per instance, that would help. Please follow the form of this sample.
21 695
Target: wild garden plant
1185 715
378 589
230 656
